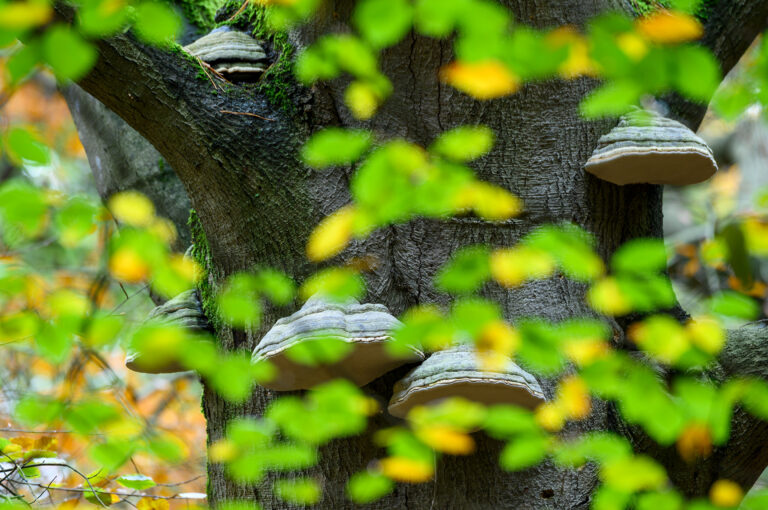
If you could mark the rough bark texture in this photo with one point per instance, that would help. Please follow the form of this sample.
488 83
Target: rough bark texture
257 204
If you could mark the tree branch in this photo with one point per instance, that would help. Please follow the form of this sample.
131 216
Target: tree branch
730 27
225 161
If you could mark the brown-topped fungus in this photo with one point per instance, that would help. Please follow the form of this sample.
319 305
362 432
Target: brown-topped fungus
235 55
326 340
457 372
646 147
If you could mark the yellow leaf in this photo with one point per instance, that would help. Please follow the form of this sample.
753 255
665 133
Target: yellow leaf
127 265
726 493
513 266
550 416
491 202
695 442
185 267
573 397
222 450
668 27
331 235
578 62
132 208
361 99
24 15
606 297
152 504
706 334
633 46
483 80
163 229
446 439
403 469
496 343
586 351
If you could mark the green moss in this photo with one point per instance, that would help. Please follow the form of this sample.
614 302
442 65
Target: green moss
278 79
201 252
642 7
200 13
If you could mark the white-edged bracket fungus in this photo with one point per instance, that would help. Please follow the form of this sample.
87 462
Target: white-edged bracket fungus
235 55
184 311
456 372
646 147
367 327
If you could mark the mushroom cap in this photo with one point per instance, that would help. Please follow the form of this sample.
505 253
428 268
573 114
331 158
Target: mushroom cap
646 147
185 311
230 52
455 372
368 327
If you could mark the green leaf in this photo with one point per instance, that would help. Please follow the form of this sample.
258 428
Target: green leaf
101 18
136 482
335 283
111 454
471 315
523 452
733 304
506 421
335 146
632 474
698 73
614 99
464 143
69 55
23 145
322 350
383 22
437 18
33 410
156 23
366 487
642 256
238 505
238 302
467 271
234 377
75 221
300 491
54 342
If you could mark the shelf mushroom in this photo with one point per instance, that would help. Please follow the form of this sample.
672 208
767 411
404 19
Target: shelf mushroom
184 311
363 329
235 55
646 147
456 372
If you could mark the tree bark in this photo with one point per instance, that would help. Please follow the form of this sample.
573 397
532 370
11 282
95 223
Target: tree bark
257 204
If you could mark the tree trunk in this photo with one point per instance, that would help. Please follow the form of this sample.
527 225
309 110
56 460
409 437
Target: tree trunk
257 205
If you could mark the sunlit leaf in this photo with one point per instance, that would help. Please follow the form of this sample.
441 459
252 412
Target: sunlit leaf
464 143
332 234
300 491
137 482
726 493
523 452
669 27
383 22
482 80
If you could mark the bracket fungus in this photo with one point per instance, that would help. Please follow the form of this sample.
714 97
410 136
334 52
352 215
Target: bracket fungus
361 330
456 372
646 147
184 312
235 55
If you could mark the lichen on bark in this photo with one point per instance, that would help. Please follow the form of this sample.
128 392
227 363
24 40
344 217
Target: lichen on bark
201 253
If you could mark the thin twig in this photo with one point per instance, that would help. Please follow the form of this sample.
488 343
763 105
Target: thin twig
246 113
116 493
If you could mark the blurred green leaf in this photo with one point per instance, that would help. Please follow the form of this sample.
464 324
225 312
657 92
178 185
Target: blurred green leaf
335 146
383 22
733 304
466 272
69 55
23 145
523 452
640 256
156 23
464 143
613 99
300 491
698 73
366 487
